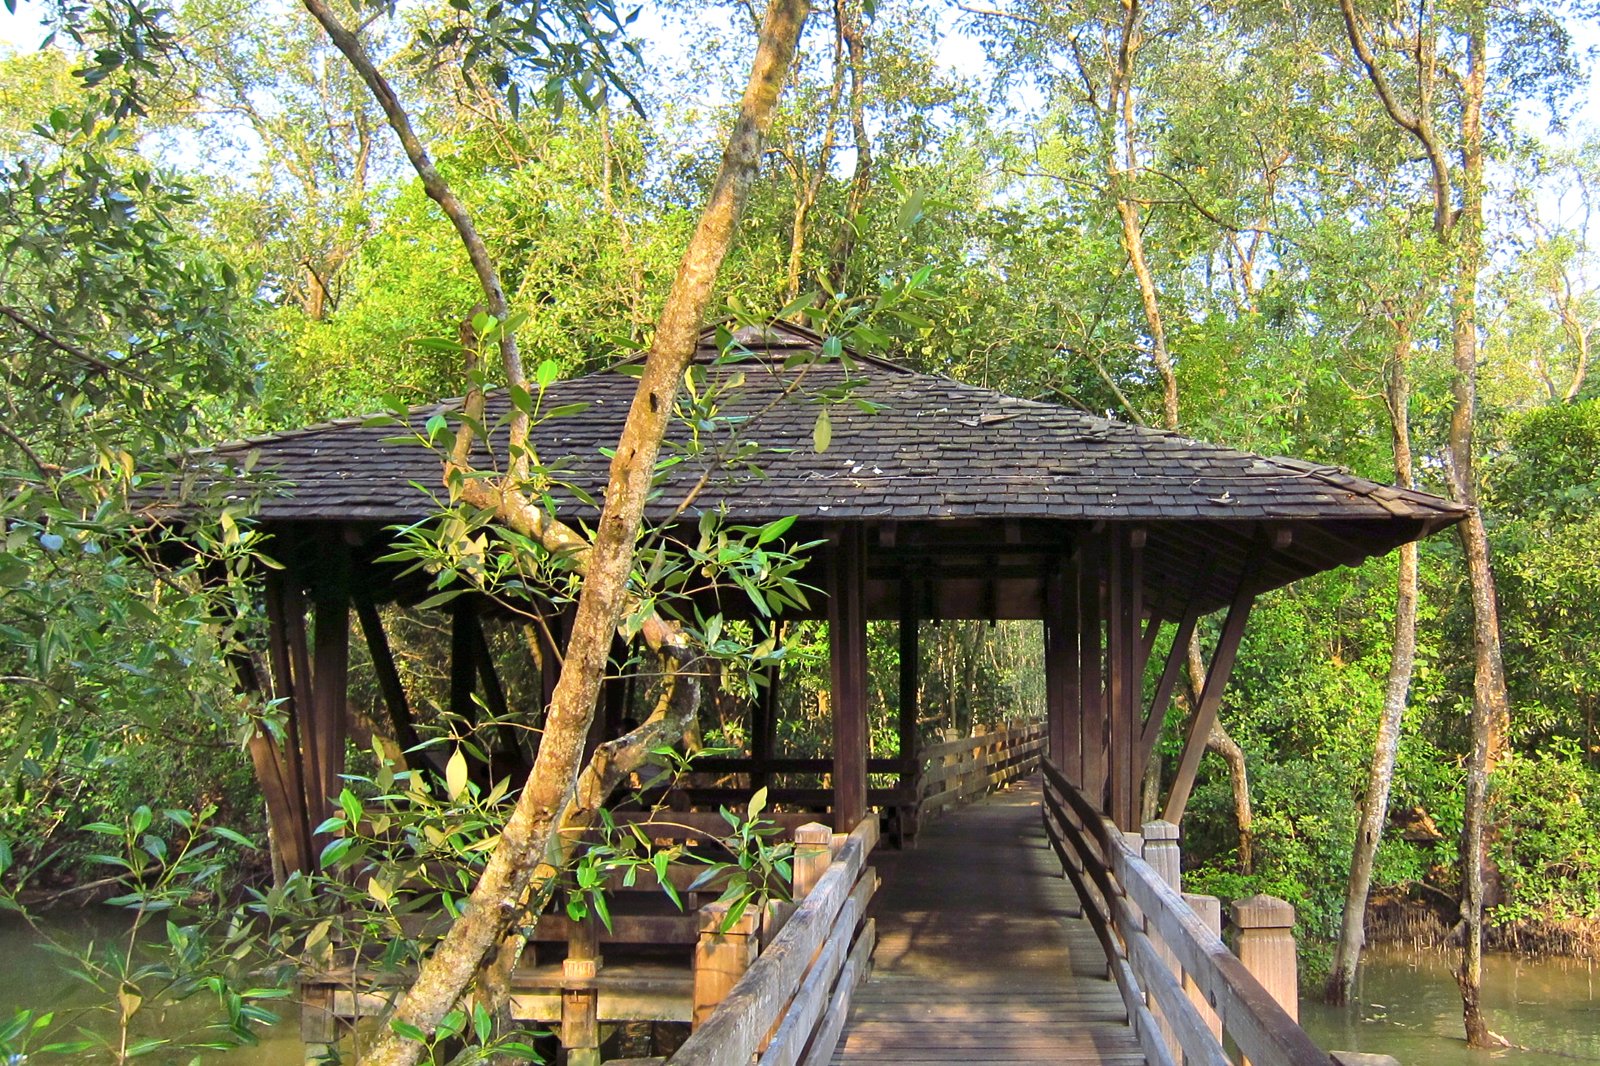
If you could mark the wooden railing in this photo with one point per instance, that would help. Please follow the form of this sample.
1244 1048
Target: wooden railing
792 971
955 771
1184 990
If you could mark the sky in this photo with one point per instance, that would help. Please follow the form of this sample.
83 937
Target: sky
960 51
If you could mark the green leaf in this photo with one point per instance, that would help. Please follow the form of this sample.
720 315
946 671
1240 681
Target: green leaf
234 837
822 433
407 1030
758 803
455 775
547 373
773 530
482 1022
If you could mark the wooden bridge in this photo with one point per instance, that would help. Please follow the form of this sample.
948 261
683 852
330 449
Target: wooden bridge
1024 928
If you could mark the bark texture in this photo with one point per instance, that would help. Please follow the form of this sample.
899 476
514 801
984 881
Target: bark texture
1402 663
1460 229
557 796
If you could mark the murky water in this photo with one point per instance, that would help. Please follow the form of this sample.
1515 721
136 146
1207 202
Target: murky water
1407 1003
34 977
1408 1007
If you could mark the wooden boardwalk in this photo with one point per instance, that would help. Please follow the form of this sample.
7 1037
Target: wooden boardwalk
982 957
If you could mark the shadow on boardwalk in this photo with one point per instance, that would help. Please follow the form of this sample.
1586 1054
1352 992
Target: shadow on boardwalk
982 956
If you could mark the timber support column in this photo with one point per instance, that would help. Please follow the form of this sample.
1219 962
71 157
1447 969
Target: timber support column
1061 672
847 651
1123 676
1091 668
910 654
330 683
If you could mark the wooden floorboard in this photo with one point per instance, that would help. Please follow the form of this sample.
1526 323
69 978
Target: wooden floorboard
982 955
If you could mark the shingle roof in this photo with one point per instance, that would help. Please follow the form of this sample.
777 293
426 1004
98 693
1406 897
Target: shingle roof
916 447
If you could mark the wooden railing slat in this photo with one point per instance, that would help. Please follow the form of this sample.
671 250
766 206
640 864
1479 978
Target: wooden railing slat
1112 879
826 1041
753 1006
811 999
1199 1048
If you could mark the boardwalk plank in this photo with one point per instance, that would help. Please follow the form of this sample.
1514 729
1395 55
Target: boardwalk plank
982 954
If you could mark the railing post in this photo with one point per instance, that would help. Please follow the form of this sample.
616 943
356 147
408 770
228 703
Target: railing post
812 853
721 956
580 1007
1166 862
1209 910
1266 947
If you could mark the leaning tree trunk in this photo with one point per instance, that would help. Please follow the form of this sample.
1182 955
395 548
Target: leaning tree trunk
520 868
1402 660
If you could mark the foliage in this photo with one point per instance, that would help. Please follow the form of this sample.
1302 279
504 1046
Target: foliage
184 975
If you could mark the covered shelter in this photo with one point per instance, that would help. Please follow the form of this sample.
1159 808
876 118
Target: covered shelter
933 500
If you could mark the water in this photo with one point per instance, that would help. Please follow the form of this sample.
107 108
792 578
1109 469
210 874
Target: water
1408 1006
34 977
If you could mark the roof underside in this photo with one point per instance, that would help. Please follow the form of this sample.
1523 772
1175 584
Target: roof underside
905 448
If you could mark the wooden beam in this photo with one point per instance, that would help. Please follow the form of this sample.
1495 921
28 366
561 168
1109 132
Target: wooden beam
1147 643
847 654
494 694
388 675
331 690
1168 682
764 726
1061 670
283 689
463 658
1205 714
910 655
1123 577
1091 669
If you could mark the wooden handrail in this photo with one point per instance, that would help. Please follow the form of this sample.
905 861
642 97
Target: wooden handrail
800 984
1133 910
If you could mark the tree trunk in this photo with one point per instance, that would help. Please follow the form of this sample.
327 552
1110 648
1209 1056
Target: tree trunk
1402 660
1491 707
1122 165
520 871
849 23
808 186
1462 232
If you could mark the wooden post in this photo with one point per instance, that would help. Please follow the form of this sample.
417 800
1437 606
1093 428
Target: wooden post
330 690
1161 852
463 659
847 650
1061 673
580 999
289 759
1091 671
812 854
764 729
721 956
910 652
1209 910
1123 613
319 1026
1266 947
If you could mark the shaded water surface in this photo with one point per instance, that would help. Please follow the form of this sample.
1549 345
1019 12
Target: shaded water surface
1407 1006
34 977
